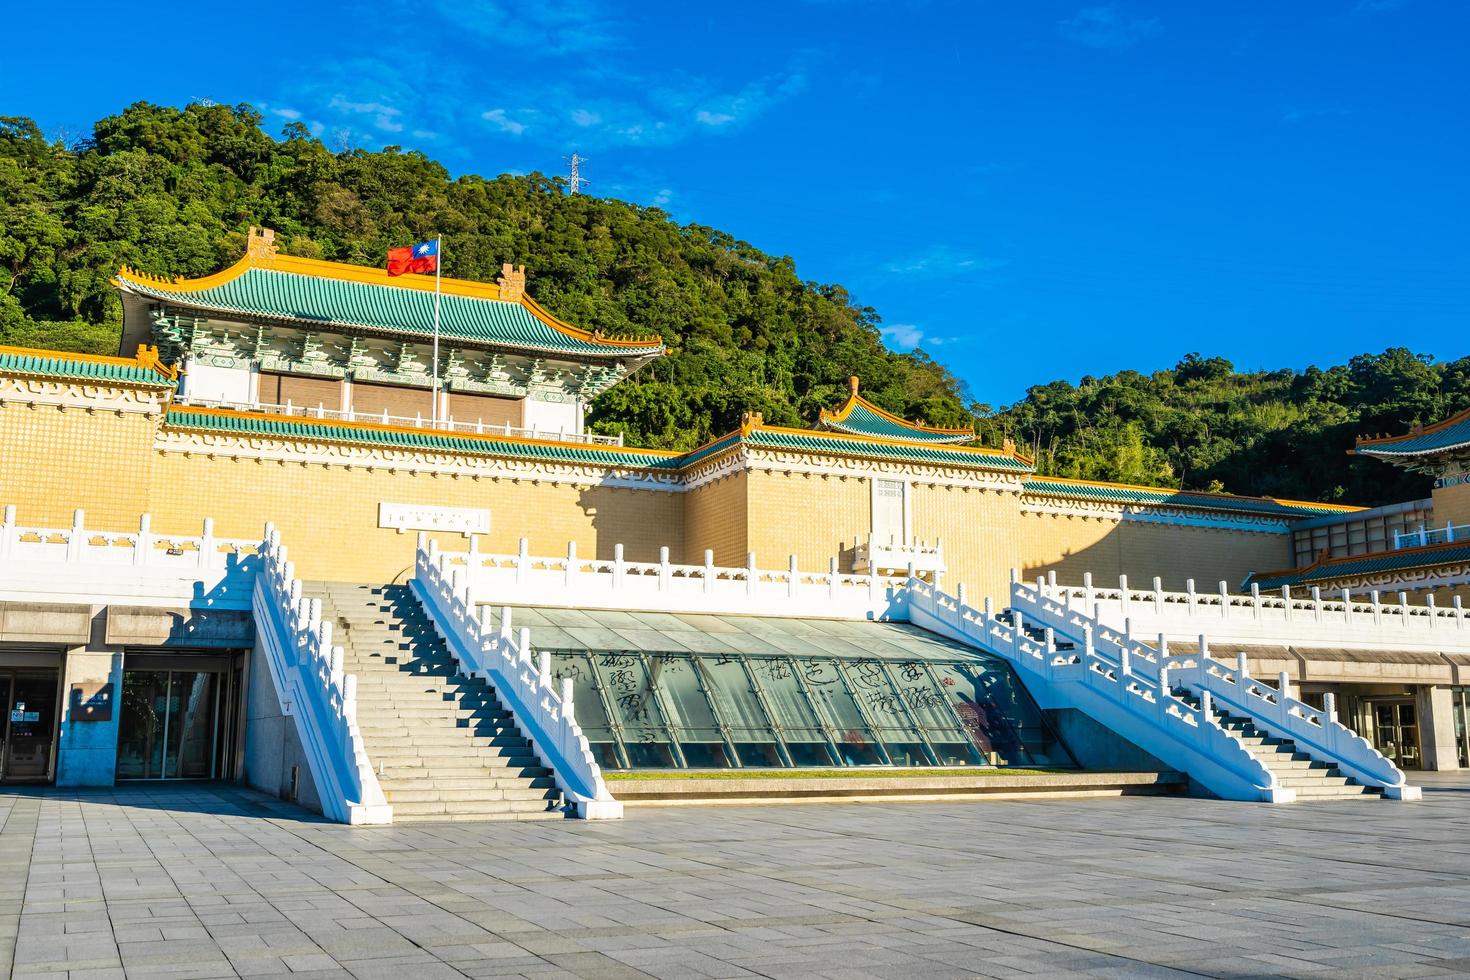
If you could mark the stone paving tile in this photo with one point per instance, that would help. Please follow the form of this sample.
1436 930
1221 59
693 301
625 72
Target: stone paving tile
218 881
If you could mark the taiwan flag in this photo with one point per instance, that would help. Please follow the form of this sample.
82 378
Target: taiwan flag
423 257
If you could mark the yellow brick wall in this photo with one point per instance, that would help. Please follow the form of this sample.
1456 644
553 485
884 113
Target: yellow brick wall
1452 505
716 517
979 530
1071 545
813 517
53 461
328 515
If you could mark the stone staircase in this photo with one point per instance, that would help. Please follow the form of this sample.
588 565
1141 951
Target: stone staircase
443 745
1312 780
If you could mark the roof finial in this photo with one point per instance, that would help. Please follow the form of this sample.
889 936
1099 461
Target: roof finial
260 243
512 282
852 385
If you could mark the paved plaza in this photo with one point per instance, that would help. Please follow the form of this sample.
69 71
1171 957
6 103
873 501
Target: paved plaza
212 881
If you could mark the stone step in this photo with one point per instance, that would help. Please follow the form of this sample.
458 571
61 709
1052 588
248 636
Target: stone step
467 768
431 744
433 755
518 816
514 778
483 794
468 807
387 732
1351 791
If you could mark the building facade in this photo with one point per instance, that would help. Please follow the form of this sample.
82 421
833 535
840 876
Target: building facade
300 393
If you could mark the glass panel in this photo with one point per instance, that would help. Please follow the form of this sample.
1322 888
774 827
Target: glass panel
691 716
635 713
32 726
840 713
805 741
998 715
191 728
587 704
140 731
735 698
881 703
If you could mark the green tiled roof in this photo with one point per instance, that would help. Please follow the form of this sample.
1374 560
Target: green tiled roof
861 420
326 302
81 368
1388 561
1182 498
1454 433
279 428
916 453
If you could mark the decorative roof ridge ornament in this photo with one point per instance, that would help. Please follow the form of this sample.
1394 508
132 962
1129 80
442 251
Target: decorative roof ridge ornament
751 421
858 416
260 245
512 282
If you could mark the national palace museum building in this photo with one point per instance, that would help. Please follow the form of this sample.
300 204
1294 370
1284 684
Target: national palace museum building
252 548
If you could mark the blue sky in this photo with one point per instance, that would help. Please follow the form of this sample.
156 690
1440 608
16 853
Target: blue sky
1030 190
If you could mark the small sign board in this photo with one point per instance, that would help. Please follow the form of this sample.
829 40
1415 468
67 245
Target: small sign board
91 702
426 517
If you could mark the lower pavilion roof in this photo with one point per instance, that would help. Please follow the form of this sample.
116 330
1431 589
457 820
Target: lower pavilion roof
1120 493
1330 569
1422 448
143 371
858 416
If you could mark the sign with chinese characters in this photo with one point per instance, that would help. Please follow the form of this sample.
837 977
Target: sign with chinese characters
425 517
91 702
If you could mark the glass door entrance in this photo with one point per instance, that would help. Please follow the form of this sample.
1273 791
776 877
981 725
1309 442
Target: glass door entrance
173 724
29 729
1394 730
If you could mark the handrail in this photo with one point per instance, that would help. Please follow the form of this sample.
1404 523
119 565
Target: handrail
447 424
1426 536
1217 757
1258 606
307 671
616 583
1270 709
523 682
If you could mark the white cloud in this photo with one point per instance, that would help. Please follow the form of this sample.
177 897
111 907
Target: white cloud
713 118
1108 28
585 117
902 336
943 262
663 197
385 117
503 122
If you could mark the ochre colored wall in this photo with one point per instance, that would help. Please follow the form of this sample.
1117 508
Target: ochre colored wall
978 529
1072 544
716 517
813 517
53 460
328 515
1452 505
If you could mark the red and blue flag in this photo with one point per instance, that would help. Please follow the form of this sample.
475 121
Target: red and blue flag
423 257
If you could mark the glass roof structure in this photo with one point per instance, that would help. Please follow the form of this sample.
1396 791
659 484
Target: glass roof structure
662 690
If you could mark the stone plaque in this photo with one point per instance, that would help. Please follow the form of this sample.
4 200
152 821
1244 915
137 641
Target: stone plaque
425 517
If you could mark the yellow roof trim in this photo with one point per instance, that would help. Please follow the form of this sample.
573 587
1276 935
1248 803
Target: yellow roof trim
371 276
854 400
907 444
146 358
1422 430
1345 508
379 427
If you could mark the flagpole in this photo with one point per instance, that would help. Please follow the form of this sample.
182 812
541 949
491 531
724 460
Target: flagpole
438 262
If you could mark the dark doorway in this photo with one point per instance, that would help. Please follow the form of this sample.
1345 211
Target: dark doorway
29 731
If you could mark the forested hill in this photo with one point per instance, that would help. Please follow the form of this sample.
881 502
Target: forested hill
172 191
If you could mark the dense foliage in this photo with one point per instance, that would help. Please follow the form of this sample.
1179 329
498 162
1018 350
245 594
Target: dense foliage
172 191
1203 425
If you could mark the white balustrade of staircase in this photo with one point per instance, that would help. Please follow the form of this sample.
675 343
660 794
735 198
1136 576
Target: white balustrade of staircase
522 681
1271 709
614 583
82 564
314 691
1101 676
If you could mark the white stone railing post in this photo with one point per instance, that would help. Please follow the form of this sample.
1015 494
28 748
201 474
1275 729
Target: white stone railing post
620 567
523 561
709 571
8 533
78 539
143 543
572 566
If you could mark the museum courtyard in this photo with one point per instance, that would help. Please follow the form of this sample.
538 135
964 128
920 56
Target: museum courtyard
222 881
